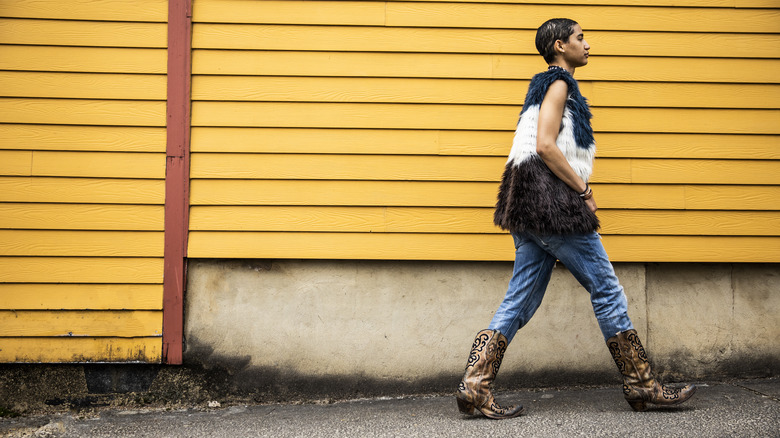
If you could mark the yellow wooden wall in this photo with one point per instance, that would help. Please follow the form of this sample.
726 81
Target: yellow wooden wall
379 130
82 166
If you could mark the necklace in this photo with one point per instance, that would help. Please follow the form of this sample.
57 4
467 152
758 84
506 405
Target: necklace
557 67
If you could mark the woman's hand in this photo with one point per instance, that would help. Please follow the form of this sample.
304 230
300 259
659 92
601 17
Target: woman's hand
591 203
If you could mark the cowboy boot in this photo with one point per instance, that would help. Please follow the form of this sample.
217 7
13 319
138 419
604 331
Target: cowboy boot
474 392
639 384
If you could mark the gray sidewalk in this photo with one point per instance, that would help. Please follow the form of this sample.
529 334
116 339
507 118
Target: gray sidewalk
746 408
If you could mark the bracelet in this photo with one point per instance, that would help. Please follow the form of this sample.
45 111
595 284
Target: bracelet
588 193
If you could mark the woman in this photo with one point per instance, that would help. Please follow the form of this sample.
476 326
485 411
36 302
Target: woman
546 203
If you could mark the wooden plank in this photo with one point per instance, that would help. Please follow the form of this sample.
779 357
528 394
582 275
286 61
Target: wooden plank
745 198
594 17
82 112
705 171
282 218
662 68
482 92
246 62
688 222
362 167
80 296
454 14
680 3
319 89
83 85
469 220
88 323
682 95
15 163
714 146
81 243
358 39
477 117
483 143
449 65
291 12
373 167
80 350
110 270
81 217
82 33
367 246
400 246
471 194
82 138
608 145
99 164
177 181
98 10
692 197
451 168
82 59
381 193
81 190
445 40
352 115
693 249
305 140
674 120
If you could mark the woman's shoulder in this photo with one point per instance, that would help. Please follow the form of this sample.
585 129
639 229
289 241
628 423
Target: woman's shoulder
541 83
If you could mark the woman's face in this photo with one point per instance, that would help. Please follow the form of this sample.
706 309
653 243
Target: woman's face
575 50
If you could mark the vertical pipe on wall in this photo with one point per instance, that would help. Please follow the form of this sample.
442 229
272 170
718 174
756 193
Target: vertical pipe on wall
177 177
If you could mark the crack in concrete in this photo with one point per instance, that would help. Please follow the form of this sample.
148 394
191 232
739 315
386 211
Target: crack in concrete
757 392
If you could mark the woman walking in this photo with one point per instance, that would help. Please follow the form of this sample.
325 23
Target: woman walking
546 203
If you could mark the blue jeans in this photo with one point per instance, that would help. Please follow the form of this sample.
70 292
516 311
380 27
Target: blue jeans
585 257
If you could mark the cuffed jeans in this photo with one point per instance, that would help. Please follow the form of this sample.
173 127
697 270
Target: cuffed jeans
585 257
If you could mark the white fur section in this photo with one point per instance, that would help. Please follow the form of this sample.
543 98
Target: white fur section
524 144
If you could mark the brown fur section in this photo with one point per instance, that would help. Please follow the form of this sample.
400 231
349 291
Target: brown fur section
532 198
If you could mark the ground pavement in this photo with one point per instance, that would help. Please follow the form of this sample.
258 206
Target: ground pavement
743 408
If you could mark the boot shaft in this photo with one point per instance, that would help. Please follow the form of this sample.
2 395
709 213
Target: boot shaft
474 391
486 355
631 359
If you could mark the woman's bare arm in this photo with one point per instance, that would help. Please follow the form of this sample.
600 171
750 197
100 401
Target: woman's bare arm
550 117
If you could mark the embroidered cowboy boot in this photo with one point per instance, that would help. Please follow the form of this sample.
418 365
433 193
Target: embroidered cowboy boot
474 392
639 384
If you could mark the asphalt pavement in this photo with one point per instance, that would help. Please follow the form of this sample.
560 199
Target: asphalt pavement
744 408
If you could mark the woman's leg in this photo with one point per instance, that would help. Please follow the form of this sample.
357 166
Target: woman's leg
586 259
532 271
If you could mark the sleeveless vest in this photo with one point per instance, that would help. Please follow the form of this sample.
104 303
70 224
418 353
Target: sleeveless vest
531 197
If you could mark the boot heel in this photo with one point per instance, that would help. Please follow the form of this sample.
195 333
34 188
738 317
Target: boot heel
465 407
637 405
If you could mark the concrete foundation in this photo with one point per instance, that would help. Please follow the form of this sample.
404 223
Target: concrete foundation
362 328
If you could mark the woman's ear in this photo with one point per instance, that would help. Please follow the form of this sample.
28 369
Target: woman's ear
559 46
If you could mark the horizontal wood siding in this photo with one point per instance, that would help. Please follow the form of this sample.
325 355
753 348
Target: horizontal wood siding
82 168
379 130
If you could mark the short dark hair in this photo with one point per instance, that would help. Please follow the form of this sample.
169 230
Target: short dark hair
551 31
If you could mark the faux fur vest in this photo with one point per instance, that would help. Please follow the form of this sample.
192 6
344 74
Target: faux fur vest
531 197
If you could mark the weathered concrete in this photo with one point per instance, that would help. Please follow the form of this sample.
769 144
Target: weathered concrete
710 320
362 328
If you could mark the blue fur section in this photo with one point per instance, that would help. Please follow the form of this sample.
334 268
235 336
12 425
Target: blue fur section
577 104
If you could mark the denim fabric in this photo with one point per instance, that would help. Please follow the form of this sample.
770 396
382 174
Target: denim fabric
586 259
